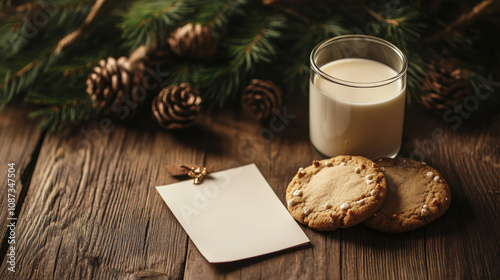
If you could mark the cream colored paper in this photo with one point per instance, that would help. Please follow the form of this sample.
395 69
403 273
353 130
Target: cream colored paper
233 215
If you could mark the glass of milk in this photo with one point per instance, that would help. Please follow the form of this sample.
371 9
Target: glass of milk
357 97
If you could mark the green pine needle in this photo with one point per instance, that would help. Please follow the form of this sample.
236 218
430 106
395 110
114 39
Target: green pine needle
54 118
43 22
16 86
219 84
150 22
256 40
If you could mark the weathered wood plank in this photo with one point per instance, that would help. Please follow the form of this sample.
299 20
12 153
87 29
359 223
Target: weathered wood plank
19 138
367 254
464 243
92 211
278 150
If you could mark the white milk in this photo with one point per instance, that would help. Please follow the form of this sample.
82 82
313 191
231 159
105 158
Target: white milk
356 121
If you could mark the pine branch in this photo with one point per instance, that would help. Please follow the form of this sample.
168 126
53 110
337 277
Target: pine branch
23 80
25 29
252 42
291 12
217 84
393 22
296 77
217 14
57 117
484 7
183 72
220 84
56 85
307 12
69 39
150 22
230 10
332 27
256 40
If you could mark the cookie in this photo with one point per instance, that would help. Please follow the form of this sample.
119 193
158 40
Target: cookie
417 195
338 192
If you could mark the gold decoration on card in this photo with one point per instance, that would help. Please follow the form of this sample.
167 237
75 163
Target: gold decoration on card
198 174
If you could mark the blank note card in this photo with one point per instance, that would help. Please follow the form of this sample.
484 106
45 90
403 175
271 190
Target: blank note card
233 215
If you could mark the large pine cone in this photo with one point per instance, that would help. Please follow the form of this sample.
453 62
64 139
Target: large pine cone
445 85
176 107
115 86
260 97
195 41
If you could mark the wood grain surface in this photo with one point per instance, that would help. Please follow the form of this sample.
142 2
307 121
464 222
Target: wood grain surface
91 210
19 144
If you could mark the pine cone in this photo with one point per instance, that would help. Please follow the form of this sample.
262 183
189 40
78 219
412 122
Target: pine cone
115 87
176 106
260 97
445 85
193 41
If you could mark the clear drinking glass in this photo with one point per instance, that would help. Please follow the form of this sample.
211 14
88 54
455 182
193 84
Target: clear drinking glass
357 97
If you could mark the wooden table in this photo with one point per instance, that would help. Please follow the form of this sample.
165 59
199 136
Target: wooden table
87 207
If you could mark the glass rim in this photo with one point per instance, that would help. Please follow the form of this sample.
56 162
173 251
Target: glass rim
354 84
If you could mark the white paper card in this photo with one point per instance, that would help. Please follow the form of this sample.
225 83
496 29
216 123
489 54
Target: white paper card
233 215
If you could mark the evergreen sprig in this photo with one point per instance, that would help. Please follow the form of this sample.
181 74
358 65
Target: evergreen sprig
59 116
254 41
219 83
51 79
221 12
41 21
18 84
150 22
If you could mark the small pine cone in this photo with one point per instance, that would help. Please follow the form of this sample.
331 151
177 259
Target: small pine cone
445 85
195 41
176 107
260 97
115 86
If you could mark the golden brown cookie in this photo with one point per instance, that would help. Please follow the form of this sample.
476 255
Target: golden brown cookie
338 192
417 195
